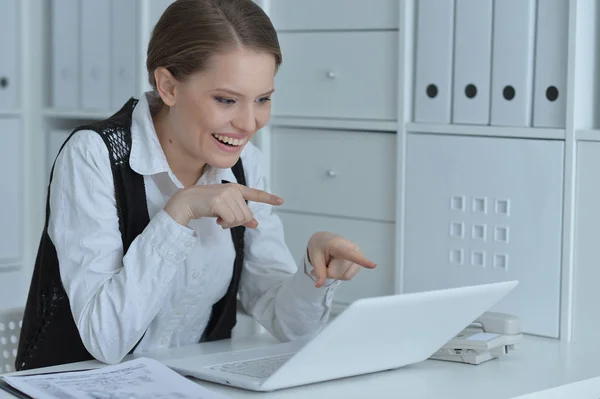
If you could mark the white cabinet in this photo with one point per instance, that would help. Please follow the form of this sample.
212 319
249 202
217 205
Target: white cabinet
333 153
9 44
11 200
486 210
346 150
587 251
376 242
342 182
321 75
335 172
305 15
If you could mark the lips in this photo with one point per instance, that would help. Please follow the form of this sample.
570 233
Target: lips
230 141
223 143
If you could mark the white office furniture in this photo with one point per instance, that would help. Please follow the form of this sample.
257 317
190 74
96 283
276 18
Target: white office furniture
10 328
11 209
331 141
352 124
541 368
11 137
9 43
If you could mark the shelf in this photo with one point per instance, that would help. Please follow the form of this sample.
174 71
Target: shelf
587 135
490 131
335 123
10 113
10 266
76 114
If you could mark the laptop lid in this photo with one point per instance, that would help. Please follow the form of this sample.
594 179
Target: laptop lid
382 333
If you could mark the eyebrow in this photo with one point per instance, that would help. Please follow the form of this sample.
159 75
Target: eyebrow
235 93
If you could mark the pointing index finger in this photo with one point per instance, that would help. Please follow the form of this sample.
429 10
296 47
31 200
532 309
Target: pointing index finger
255 195
352 255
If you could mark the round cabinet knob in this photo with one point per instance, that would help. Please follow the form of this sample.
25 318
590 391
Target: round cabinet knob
331 173
3 82
331 74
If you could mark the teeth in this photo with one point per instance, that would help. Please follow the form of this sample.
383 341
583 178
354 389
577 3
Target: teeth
230 140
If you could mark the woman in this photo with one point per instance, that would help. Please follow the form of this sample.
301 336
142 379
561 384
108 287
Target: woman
142 209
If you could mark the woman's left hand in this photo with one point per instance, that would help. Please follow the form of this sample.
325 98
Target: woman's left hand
335 257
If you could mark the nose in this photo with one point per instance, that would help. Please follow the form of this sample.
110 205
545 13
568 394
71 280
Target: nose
245 120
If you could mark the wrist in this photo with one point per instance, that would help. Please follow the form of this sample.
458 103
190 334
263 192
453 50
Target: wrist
178 208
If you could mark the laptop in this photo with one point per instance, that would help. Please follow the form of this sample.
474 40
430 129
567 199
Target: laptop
371 335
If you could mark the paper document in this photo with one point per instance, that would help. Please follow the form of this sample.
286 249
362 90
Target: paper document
141 378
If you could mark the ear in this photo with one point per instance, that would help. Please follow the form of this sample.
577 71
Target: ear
165 85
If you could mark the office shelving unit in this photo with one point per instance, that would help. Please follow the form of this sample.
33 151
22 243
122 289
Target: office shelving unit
405 178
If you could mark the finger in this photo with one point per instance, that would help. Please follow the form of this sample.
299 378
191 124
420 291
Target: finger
255 195
233 199
225 218
340 269
337 267
248 217
351 272
319 265
345 251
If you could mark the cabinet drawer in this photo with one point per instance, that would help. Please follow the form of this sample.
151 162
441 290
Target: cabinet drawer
334 14
375 240
338 75
343 173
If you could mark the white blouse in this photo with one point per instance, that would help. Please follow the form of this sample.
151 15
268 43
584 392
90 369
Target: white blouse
166 284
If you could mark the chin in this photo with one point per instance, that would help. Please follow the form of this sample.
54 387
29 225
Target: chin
224 161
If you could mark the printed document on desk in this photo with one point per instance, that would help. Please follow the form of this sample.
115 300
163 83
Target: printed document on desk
141 378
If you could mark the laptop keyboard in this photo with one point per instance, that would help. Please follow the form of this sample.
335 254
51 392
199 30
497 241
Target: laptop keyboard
260 368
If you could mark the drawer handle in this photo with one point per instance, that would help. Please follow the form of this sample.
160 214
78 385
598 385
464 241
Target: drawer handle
331 74
331 173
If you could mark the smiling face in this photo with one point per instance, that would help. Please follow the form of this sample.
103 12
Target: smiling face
212 114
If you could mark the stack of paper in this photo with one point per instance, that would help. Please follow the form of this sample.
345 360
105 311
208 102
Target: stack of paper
141 378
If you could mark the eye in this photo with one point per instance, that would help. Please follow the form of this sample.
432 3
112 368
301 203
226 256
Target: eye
226 101
264 100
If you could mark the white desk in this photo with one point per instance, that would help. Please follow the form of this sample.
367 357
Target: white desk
540 368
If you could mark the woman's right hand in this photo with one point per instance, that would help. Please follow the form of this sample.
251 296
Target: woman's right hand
226 202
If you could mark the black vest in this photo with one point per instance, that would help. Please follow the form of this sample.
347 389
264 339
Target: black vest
49 335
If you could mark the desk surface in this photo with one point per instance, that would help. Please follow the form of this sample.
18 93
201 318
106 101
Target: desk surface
539 368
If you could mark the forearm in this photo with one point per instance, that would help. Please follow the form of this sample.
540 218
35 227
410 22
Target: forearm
292 308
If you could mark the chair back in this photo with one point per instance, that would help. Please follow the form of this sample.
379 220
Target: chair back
11 321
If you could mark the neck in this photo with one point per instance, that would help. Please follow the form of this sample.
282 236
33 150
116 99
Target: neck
187 168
